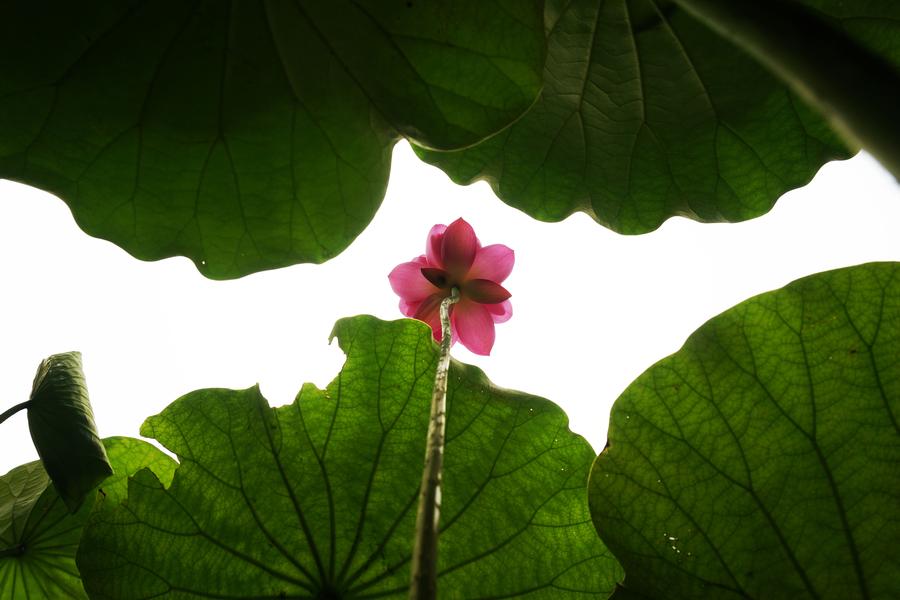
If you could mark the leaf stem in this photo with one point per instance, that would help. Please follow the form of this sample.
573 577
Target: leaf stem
423 584
853 87
21 406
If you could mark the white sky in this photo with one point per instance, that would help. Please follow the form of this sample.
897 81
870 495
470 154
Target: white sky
592 309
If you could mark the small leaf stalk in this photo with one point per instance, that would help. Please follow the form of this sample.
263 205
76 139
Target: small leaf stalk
423 584
10 412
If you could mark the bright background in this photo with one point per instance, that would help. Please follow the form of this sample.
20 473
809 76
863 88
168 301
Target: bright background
591 309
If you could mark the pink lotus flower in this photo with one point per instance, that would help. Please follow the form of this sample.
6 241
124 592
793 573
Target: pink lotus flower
454 258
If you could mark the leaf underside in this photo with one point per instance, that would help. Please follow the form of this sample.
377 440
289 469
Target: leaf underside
317 499
248 135
647 114
38 535
760 460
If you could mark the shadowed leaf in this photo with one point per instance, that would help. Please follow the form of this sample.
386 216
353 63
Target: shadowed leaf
248 135
647 114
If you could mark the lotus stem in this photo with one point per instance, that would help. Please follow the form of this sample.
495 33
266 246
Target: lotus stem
21 406
423 585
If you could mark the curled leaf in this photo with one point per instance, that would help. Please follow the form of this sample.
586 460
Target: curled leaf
63 429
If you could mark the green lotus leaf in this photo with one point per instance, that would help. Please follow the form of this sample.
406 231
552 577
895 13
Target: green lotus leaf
248 135
647 114
317 499
38 535
63 430
760 460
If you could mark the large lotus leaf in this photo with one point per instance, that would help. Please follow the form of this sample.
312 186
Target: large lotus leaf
317 499
39 537
647 114
761 460
63 430
252 134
